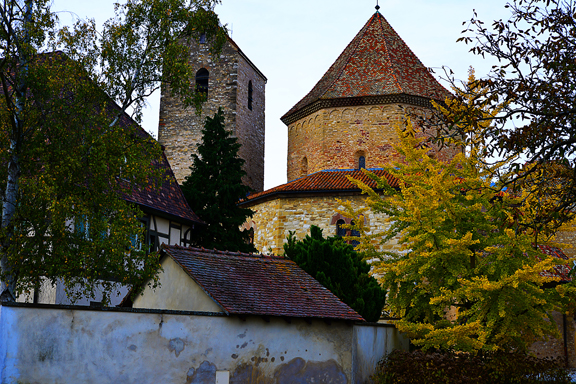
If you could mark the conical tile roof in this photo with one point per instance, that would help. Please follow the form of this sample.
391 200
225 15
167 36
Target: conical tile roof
376 63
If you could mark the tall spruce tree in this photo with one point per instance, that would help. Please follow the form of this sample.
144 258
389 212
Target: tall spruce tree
215 186
339 268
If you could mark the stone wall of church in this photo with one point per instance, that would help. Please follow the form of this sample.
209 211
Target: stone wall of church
273 220
336 138
568 238
180 128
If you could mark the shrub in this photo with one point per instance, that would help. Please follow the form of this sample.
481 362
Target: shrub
401 367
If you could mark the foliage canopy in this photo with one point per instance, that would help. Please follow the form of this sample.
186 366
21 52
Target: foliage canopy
340 269
69 153
467 276
533 85
214 187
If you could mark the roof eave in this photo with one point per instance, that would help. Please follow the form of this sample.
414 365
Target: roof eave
401 98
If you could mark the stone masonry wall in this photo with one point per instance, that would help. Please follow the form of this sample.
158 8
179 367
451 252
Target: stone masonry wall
274 219
180 129
250 124
553 347
335 138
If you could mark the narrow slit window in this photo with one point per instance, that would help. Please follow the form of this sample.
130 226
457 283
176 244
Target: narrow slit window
202 77
250 91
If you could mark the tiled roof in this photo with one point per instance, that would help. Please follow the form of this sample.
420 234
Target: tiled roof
246 284
168 199
376 63
561 271
331 180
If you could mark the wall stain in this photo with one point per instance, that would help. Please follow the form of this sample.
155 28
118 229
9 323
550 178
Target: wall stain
206 373
234 356
248 374
133 348
176 345
206 352
298 371
243 335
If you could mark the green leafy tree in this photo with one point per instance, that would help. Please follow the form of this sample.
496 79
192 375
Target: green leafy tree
340 269
69 154
214 188
468 274
533 83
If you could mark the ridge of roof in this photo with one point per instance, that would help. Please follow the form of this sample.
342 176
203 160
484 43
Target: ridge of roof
377 62
262 285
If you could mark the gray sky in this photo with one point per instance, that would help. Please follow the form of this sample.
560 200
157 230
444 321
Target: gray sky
294 42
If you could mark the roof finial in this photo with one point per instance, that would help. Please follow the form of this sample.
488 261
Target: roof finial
377 6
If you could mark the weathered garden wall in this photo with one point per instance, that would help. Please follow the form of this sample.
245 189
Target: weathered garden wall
49 344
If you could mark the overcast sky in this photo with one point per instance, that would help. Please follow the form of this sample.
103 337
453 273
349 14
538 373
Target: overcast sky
294 42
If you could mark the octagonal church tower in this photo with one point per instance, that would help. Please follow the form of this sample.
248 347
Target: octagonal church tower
347 120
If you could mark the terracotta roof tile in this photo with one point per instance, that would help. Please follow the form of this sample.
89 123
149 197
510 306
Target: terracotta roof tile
169 198
246 284
333 180
560 271
376 63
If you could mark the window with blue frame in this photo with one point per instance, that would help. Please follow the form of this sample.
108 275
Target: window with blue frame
361 162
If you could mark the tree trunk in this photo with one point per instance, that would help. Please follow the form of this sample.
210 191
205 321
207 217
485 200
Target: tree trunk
10 199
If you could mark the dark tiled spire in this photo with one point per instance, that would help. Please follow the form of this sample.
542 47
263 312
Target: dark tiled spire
376 63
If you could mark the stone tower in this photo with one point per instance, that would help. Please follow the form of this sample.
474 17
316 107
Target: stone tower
347 120
236 85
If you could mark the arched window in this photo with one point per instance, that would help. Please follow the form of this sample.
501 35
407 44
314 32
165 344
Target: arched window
354 233
250 90
202 77
340 232
361 162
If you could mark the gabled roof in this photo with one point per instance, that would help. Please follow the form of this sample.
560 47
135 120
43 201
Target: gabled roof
246 284
330 180
376 63
167 200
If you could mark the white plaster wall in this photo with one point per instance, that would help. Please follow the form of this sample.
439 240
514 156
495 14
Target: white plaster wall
177 291
372 342
49 345
55 294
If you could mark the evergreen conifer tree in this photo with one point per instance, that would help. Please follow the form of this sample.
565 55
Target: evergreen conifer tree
215 186
340 269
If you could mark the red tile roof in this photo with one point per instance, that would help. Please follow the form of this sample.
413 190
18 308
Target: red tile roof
376 63
560 271
168 199
331 180
246 284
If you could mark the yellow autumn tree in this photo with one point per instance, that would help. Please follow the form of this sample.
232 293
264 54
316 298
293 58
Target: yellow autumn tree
468 275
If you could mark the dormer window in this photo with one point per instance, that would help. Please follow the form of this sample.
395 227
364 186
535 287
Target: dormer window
202 77
250 95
